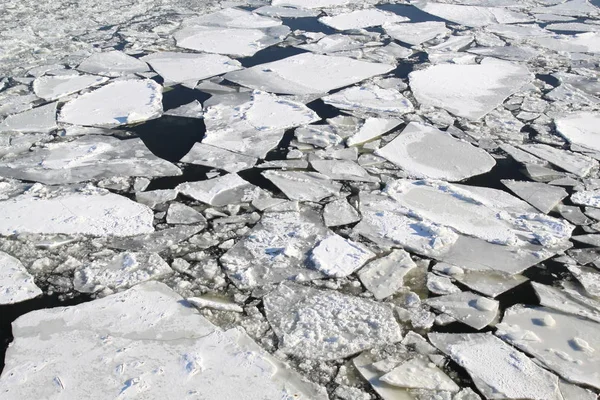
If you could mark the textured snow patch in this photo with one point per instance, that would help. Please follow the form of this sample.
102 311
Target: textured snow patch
337 257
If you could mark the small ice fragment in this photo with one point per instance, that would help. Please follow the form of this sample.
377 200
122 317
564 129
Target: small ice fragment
338 257
340 212
221 191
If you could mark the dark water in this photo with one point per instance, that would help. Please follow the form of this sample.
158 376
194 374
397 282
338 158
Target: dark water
8 313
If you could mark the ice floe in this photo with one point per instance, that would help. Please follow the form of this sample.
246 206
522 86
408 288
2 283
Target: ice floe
384 276
466 307
220 191
371 99
171 350
469 91
416 33
303 186
112 64
307 73
581 128
54 87
211 156
426 152
95 213
361 19
337 257
325 324
473 16
540 195
40 120
16 284
118 103
565 344
87 158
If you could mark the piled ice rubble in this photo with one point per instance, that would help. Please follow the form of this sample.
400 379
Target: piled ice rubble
317 199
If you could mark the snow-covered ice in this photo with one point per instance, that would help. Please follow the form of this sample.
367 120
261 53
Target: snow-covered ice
361 19
416 33
16 284
40 119
371 99
426 152
123 102
220 191
467 307
581 128
303 186
336 256
384 276
112 64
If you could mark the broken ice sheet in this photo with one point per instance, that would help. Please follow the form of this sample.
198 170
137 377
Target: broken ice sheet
216 157
307 73
466 307
419 373
275 249
171 351
339 212
361 19
256 126
112 64
416 33
189 68
588 277
568 301
575 163
303 186
342 170
472 16
371 129
94 212
220 191
540 195
120 272
384 276
117 103
40 120
565 344
426 152
237 42
157 241
498 370
371 99
338 257
54 87
87 158
181 214
581 128
328 325
588 42
469 91
16 284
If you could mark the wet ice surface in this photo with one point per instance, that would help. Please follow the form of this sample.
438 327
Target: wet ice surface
314 199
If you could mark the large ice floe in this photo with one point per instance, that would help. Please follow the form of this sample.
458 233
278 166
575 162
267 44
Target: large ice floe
300 199
161 348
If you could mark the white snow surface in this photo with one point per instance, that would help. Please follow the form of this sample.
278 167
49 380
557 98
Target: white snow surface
361 19
16 284
582 128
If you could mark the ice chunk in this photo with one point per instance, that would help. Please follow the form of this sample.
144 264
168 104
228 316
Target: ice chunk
156 241
275 249
466 307
235 18
146 341
473 16
469 91
153 198
588 277
371 129
118 103
236 42
286 12
181 214
312 3
256 126
575 8
95 213
426 152
418 373
190 110
221 191
587 198
216 157
342 170
303 186
441 285
340 212
581 128
16 284
475 215
489 283
361 19
568 347
41 120
588 42
338 257
371 99
120 272
384 276
307 73
416 33
54 87
509 53
87 158
567 301
328 325
498 370
189 68
575 163
540 195
318 135
112 64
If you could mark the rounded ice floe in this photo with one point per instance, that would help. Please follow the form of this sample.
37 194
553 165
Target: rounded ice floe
469 91
581 128
16 284
118 103
72 213
426 152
